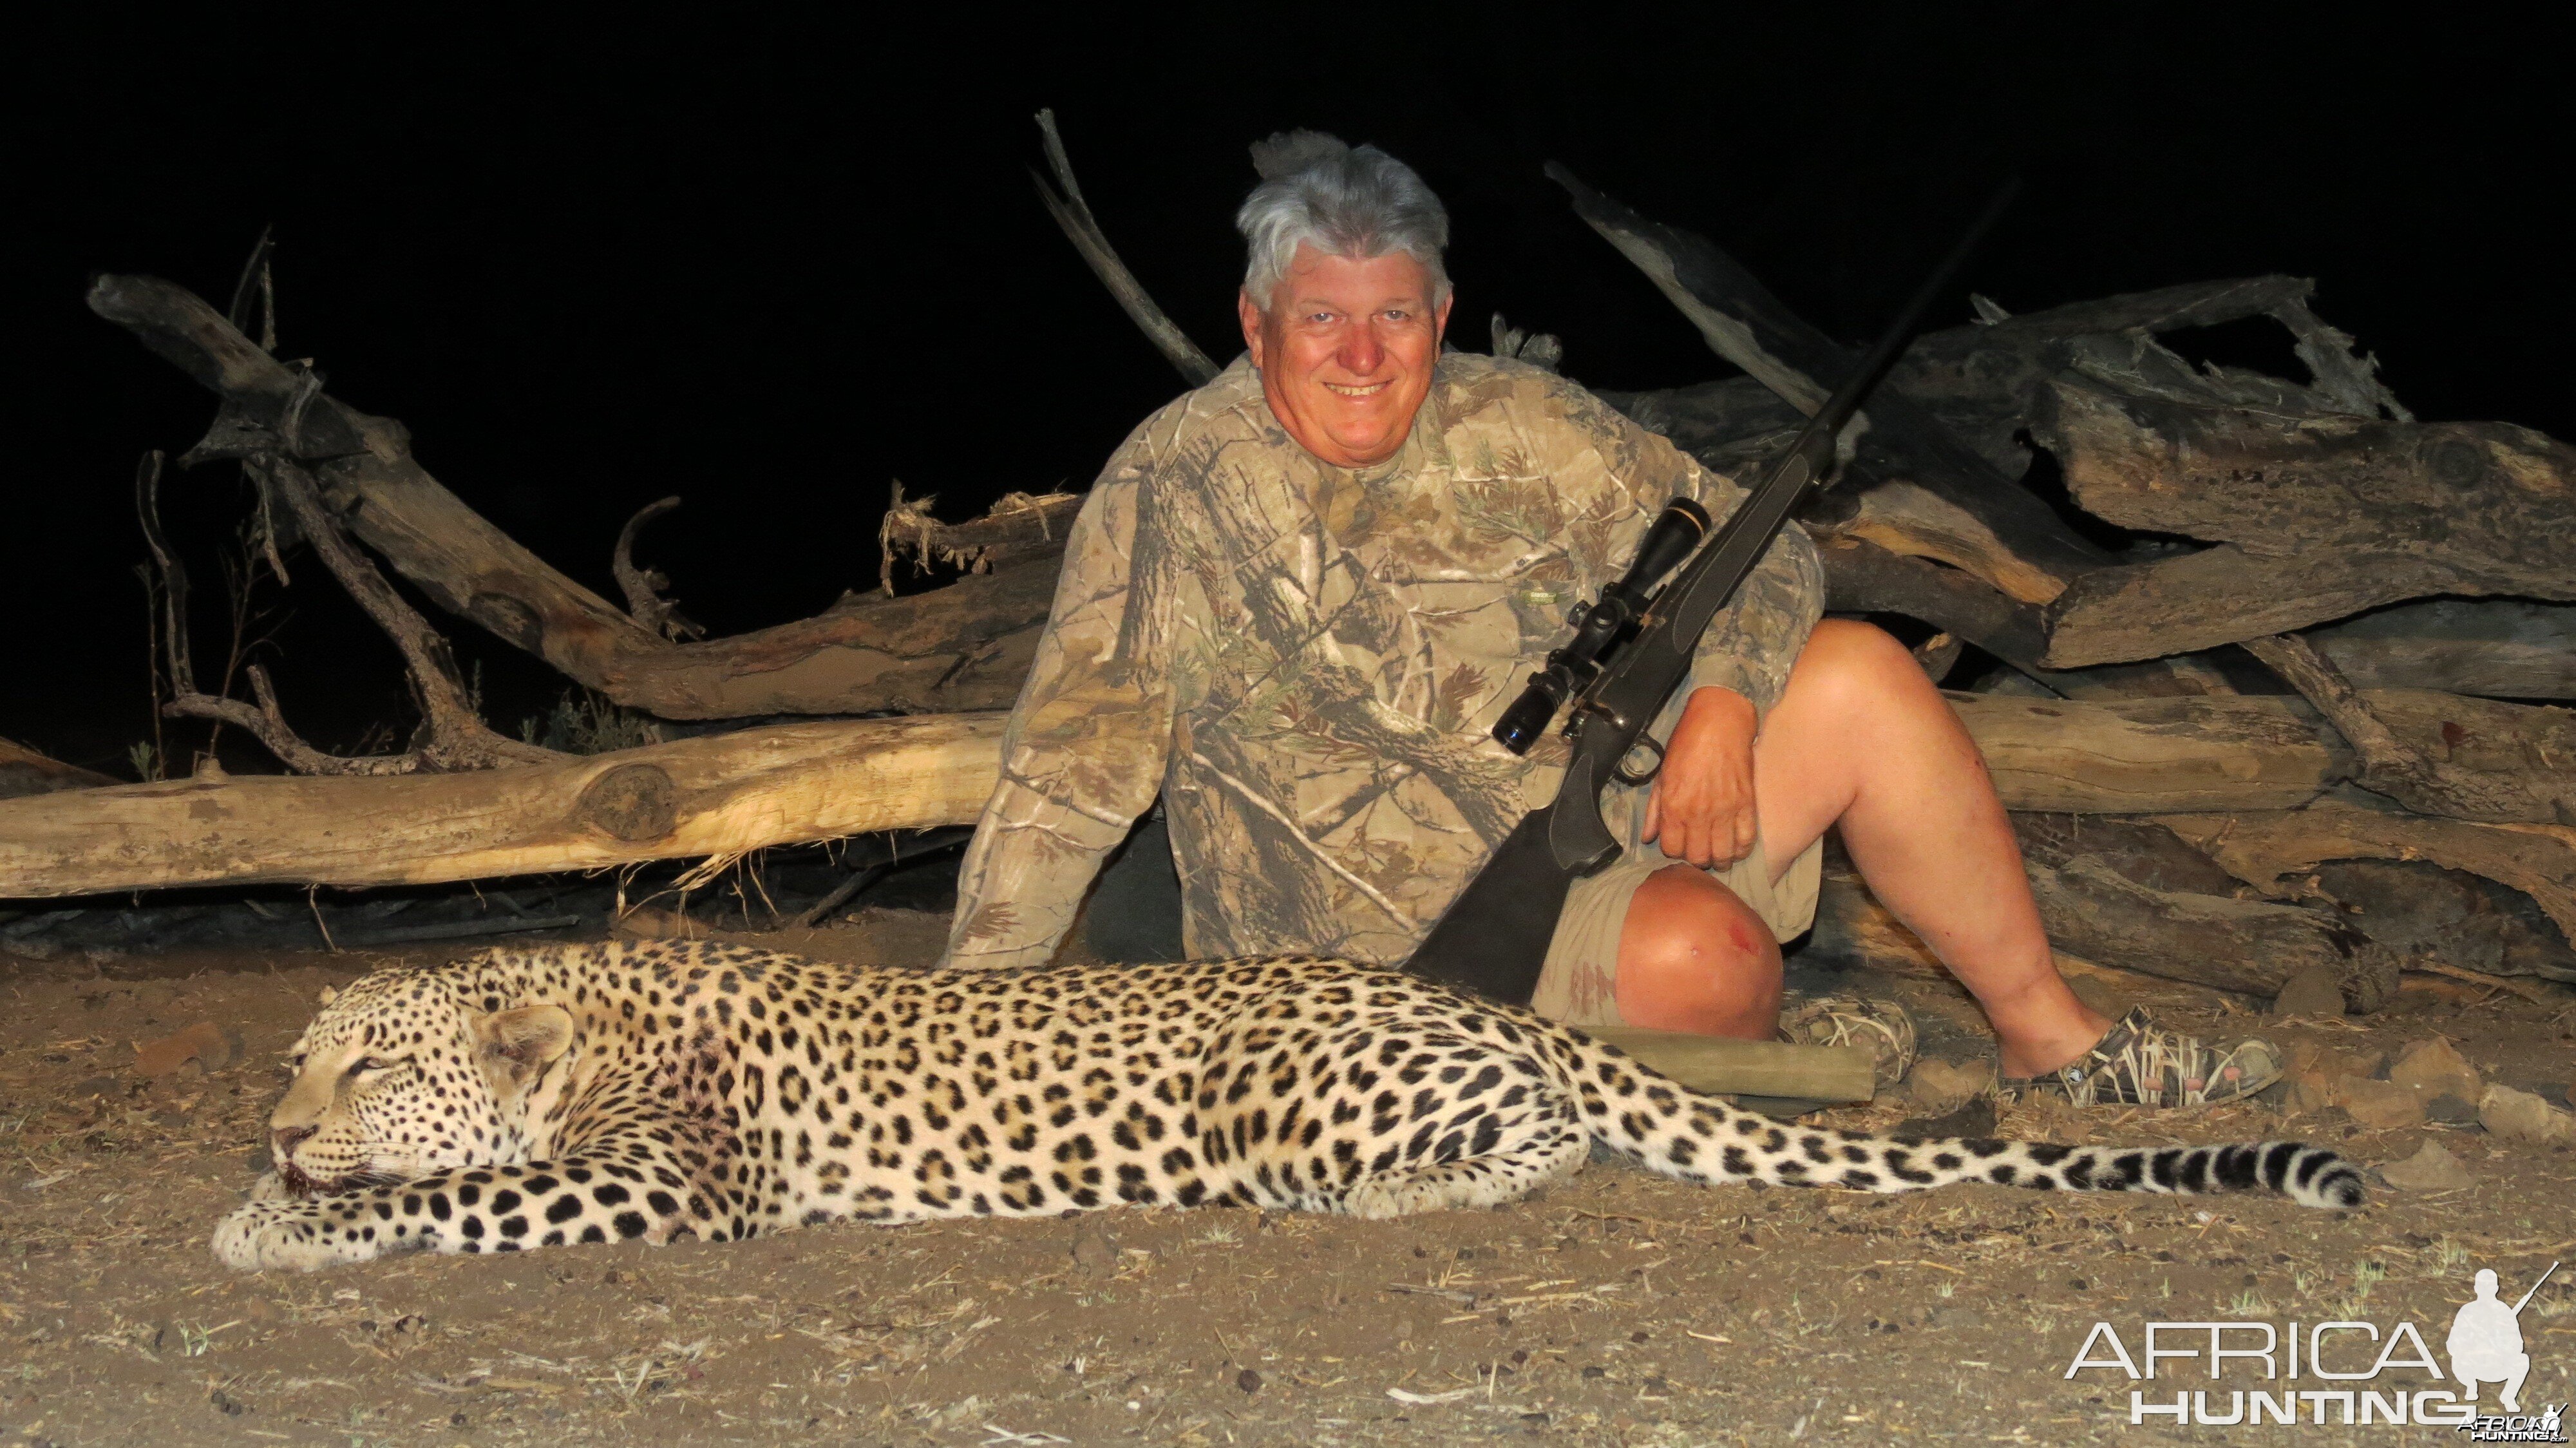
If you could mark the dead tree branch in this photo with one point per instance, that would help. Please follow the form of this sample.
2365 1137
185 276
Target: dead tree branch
963 647
2396 768
1081 228
643 586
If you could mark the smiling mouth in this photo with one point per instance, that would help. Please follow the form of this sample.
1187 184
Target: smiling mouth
1370 390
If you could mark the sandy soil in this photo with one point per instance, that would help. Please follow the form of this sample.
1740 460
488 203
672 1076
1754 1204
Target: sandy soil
1619 1309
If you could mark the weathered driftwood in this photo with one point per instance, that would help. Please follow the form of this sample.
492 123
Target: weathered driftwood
1984 381
1752 1068
23 772
1854 929
1862 577
2313 515
2118 898
2504 648
2429 914
2149 756
2189 755
2273 849
2133 897
965 647
2152 755
1961 508
719 796
1073 214
2425 772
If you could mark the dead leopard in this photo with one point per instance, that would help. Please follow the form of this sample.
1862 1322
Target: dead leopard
592 1093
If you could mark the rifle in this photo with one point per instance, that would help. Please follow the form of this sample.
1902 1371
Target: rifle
1630 650
2535 1289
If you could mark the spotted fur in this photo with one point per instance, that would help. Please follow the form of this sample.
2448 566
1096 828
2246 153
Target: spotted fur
591 1093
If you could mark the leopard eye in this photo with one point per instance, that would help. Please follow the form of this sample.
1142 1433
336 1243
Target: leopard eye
368 1063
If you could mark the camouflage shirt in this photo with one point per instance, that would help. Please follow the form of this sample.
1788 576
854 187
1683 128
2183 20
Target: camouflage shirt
1304 660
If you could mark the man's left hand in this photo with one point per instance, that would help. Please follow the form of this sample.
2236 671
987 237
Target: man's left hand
1702 806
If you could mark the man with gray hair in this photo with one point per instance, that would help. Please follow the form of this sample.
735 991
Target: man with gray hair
1297 598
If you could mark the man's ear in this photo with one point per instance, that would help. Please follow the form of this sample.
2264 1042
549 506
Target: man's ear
1251 318
524 1041
1440 319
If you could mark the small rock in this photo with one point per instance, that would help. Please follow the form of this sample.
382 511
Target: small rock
1248 1380
2450 1110
1975 1119
2382 1105
1094 1252
2522 1116
2432 1169
2431 1067
1940 1086
202 1043
2311 992
2317 1072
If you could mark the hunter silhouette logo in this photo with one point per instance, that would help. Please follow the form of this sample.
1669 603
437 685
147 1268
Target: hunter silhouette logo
2486 1341
2364 1374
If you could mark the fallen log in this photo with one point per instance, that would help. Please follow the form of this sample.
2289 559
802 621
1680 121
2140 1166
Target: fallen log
2271 849
1984 381
2117 904
2427 913
23 771
719 797
1862 577
2136 756
2150 756
965 647
2503 648
2313 515
2107 894
1853 930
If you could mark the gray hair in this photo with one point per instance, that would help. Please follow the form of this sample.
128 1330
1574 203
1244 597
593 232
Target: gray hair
1342 200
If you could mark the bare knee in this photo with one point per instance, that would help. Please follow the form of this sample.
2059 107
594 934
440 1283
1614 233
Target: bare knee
1694 957
1861 661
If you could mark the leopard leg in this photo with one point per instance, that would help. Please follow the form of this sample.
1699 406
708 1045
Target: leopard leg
610 1191
1383 1118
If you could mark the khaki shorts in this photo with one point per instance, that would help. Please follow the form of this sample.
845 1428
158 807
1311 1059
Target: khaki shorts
1577 985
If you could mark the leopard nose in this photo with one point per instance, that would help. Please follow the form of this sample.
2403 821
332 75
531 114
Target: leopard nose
285 1139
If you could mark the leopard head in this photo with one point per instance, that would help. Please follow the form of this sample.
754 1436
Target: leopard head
400 1076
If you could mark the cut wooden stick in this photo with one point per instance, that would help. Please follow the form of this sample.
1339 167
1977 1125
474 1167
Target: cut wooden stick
1749 1068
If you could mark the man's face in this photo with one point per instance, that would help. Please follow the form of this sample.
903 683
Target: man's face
1345 350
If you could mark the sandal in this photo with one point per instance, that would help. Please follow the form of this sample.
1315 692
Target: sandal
1881 1028
2139 1063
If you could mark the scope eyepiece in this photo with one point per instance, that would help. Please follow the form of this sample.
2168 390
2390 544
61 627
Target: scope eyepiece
1529 716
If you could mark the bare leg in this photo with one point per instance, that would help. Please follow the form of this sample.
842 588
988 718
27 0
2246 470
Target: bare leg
1862 738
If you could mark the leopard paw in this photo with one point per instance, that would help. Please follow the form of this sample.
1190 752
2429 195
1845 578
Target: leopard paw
265 1236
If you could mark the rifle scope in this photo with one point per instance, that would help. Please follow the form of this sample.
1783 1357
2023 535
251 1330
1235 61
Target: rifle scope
1600 627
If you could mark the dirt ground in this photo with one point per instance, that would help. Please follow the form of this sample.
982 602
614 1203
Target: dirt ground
1618 1309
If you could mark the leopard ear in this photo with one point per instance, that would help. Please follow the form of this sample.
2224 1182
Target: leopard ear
330 993
528 1038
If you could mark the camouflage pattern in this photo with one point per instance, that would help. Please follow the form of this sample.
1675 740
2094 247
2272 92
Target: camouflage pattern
1304 659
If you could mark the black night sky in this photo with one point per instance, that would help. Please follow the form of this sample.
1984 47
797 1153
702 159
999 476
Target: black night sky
771 267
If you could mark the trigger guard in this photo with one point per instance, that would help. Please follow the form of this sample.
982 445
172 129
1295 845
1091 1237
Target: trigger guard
1634 777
